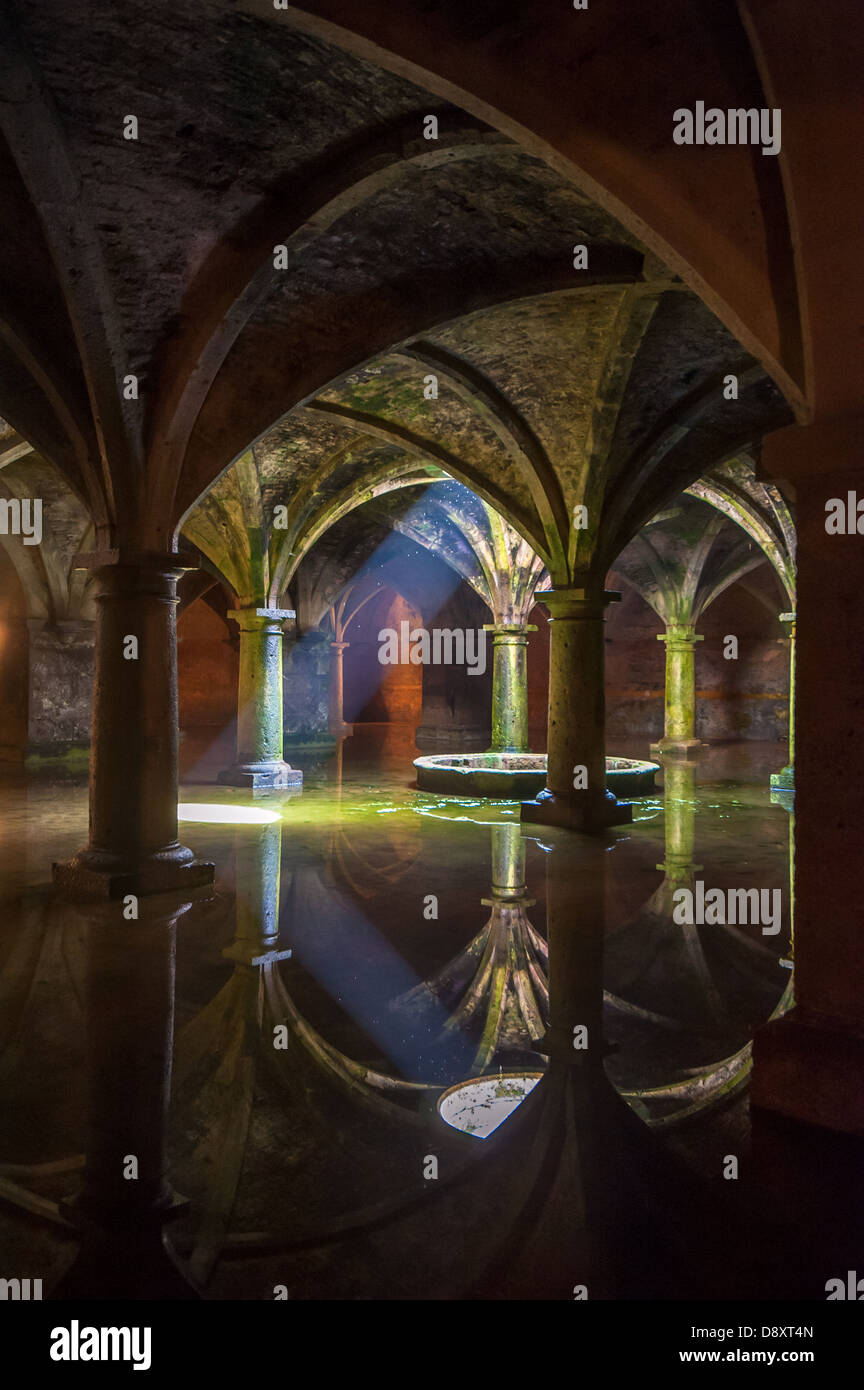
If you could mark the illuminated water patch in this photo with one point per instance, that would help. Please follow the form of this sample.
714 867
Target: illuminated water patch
214 814
480 1105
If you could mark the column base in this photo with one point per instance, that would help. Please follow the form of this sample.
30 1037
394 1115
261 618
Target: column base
262 777
808 1069
678 747
784 780
592 816
97 874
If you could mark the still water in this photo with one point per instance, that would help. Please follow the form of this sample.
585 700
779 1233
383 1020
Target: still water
272 1054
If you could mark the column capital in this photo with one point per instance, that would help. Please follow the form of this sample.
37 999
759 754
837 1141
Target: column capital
575 603
683 634
132 574
261 619
512 630
340 646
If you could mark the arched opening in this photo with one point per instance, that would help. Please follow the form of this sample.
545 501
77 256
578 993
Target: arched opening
375 693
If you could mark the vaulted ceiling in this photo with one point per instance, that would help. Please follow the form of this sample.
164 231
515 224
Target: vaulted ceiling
154 258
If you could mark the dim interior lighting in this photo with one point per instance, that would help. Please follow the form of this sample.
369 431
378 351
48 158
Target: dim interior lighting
215 814
480 1105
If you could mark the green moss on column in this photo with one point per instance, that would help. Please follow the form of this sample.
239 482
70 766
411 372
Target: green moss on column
509 687
679 790
508 861
679 728
260 765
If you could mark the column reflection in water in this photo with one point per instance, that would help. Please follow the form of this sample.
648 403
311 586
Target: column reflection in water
220 1050
125 1199
570 1156
785 797
679 871
684 998
495 991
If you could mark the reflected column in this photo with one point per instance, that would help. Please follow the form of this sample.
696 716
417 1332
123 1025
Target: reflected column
678 868
220 1052
125 1199
784 780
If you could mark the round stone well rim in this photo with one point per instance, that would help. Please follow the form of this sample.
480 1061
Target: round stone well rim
522 774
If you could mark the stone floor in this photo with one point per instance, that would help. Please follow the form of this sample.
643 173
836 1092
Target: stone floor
306 1164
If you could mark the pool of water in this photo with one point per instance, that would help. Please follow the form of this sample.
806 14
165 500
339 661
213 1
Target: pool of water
366 947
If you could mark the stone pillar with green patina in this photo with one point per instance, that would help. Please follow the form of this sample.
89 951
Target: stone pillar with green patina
509 686
679 807
260 765
575 795
679 726
508 864
784 780
679 810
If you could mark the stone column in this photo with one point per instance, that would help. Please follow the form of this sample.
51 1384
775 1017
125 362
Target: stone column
679 724
509 687
336 723
784 780
133 757
575 795
808 1064
260 765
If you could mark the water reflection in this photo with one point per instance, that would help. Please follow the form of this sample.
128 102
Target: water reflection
495 992
125 1199
685 999
321 1013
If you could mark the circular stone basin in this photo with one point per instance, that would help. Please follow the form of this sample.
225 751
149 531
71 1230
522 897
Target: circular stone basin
480 1105
519 776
